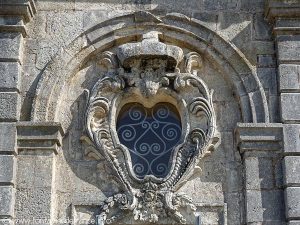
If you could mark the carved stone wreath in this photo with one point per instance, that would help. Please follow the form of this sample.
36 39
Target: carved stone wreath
148 73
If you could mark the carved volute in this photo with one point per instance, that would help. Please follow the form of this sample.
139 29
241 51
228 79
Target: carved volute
152 123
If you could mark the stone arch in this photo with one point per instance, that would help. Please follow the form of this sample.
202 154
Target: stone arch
175 28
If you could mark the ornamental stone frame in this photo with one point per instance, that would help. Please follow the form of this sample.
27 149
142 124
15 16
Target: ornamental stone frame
154 77
61 155
102 108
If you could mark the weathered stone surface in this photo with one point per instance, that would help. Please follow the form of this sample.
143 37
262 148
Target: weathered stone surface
38 172
257 5
7 169
259 173
233 203
289 77
294 222
267 77
259 137
286 46
60 176
33 203
262 29
8 134
291 135
9 75
290 107
10 46
264 206
7 201
9 106
292 198
291 166
266 61
6 222
24 8
208 19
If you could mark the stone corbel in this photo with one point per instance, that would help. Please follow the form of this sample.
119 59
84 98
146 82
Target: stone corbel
284 15
282 8
39 136
259 137
18 13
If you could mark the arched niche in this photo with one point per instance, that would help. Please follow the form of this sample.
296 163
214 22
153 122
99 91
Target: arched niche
176 29
222 58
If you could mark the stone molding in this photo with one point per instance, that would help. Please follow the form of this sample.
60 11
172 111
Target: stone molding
259 137
39 136
281 8
24 11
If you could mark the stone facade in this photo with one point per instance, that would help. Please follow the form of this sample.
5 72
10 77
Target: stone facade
68 66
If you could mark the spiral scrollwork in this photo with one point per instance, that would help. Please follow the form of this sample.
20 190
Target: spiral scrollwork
157 131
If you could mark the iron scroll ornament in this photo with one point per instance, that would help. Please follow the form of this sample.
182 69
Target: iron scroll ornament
150 135
146 74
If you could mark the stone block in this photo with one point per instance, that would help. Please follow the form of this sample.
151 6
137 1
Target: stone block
289 77
286 47
25 177
266 61
273 102
33 203
6 222
10 74
7 169
290 107
291 138
132 5
43 177
287 22
292 202
208 19
294 222
64 27
233 203
235 27
90 18
10 46
57 5
262 29
267 77
278 172
264 206
253 6
210 5
9 106
7 199
8 134
291 167
259 173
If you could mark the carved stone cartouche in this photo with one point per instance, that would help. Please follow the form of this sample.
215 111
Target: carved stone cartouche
148 73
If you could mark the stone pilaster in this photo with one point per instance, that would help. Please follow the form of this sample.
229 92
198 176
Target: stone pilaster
14 14
285 16
38 144
260 146
7 171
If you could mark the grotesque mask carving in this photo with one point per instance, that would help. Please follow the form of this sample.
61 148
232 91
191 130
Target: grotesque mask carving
152 123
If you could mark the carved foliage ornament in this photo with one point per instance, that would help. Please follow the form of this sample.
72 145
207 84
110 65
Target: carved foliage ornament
152 123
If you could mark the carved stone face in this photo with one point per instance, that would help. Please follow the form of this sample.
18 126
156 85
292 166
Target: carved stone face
149 88
150 128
